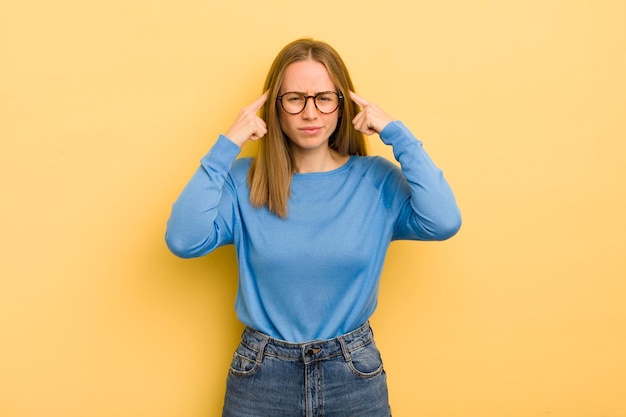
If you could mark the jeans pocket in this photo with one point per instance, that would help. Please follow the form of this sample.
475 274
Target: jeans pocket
366 362
245 361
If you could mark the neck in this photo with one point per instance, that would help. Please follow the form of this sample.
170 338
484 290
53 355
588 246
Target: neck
320 160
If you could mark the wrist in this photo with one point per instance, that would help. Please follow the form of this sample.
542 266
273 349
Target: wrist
234 139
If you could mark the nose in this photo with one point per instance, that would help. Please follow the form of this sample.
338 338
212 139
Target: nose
310 111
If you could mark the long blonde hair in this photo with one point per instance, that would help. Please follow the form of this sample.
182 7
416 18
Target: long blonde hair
269 178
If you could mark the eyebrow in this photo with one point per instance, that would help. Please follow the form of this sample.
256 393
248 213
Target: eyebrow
304 94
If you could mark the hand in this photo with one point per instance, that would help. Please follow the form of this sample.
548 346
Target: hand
248 126
370 119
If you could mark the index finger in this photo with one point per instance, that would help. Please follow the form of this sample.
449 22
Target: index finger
259 102
358 99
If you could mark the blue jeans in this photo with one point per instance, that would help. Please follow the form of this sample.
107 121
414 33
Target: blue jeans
342 377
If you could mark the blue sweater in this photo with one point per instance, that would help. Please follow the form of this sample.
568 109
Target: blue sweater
314 275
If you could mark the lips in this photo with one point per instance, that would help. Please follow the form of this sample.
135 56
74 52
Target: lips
310 130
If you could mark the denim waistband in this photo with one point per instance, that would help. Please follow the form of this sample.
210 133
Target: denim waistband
309 351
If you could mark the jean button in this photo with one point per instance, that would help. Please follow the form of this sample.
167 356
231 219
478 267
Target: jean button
312 351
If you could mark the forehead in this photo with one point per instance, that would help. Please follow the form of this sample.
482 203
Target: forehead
307 77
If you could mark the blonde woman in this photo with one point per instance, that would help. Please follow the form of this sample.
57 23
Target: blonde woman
311 217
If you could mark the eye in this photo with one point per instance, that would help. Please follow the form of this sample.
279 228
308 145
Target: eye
327 97
293 98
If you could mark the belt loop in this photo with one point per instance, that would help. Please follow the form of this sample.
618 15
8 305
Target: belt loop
259 356
344 349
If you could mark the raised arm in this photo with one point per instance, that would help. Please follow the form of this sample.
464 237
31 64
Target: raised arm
202 216
431 212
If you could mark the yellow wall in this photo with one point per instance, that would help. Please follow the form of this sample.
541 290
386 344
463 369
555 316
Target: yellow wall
107 106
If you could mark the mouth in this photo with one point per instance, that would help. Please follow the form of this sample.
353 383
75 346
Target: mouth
310 130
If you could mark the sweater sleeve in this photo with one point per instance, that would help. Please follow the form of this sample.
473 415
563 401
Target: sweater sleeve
430 212
202 217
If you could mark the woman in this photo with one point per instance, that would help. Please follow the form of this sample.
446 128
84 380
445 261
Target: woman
311 217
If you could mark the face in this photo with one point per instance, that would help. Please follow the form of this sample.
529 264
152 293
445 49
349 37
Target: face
310 129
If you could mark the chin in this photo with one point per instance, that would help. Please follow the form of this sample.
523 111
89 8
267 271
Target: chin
310 143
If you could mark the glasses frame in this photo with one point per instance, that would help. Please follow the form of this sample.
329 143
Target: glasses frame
306 101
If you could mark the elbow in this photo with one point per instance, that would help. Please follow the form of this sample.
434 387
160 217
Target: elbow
448 228
178 247
184 247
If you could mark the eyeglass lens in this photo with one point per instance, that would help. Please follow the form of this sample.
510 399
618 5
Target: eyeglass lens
294 103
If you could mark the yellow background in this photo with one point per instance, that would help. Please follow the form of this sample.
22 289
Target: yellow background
107 106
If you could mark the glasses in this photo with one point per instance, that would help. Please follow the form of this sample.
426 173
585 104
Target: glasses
326 102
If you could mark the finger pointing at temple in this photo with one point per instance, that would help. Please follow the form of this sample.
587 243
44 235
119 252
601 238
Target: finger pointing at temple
370 119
